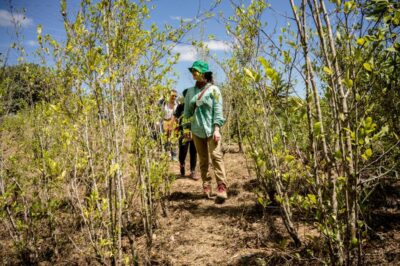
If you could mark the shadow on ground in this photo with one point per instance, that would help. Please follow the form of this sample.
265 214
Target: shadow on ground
183 196
252 211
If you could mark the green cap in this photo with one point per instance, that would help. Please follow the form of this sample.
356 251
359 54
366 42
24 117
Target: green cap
200 66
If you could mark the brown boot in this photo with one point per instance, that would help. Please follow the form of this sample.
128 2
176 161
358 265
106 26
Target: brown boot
221 191
207 190
194 176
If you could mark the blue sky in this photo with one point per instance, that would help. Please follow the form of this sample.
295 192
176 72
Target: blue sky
46 13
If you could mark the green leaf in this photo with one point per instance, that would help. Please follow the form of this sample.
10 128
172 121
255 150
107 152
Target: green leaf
354 241
368 152
39 29
317 127
391 49
368 67
349 6
361 41
338 36
291 43
264 62
261 201
382 132
368 122
348 83
249 73
270 72
289 158
338 155
278 199
312 198
114 168
327 70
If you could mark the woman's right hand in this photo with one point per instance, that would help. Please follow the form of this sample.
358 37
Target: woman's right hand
216 135
188 135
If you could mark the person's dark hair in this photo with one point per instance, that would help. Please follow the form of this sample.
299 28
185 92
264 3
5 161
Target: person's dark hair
209 77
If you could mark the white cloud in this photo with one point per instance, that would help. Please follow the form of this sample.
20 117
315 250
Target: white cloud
217 45
190 53
31 43
8 19
187 52
181 18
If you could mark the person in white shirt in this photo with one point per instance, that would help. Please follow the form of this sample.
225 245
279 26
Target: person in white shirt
169 123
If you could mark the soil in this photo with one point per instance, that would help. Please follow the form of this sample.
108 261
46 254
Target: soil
201 231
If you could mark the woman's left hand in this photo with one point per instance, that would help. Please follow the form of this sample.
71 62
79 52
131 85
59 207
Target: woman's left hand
216 135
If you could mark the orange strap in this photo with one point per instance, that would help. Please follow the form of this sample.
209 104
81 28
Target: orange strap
203 91
201 94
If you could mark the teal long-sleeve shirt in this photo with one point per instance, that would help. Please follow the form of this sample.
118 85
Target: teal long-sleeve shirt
208 112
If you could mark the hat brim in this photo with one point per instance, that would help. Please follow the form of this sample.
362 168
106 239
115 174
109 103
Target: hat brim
193 68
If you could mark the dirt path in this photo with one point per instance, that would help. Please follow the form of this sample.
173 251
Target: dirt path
199 231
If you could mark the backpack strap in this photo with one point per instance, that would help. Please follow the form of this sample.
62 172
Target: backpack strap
202 93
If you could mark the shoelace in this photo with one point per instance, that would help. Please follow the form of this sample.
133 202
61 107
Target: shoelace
221 188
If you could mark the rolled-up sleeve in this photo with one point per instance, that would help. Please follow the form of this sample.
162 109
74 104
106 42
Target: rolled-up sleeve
218 118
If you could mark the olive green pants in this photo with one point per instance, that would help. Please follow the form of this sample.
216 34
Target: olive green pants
208 149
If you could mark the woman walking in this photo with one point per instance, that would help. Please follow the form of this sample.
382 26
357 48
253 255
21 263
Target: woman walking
203 106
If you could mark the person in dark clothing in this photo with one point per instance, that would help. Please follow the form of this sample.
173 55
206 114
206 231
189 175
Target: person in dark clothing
185 144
